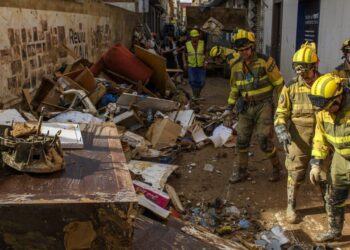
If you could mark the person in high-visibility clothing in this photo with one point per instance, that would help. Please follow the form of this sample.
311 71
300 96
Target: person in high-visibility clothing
194 59
295 122
343 70
254 78
330 96
226 55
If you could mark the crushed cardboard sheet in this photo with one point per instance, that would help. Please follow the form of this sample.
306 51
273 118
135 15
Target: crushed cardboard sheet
155 174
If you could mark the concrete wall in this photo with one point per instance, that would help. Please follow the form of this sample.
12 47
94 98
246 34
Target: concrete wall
289 27
334 29
33 30
267 10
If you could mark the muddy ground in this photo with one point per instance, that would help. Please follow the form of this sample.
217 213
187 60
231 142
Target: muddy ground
265 201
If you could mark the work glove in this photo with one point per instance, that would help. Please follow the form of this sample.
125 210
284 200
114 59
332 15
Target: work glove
283 137
227 117
228 121
227 112
317 174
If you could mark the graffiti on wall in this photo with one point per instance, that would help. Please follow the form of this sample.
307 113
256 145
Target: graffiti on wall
30 50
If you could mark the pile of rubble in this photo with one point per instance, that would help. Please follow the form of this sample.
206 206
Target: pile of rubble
157 120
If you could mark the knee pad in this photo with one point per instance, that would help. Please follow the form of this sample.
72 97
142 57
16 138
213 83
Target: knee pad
242 142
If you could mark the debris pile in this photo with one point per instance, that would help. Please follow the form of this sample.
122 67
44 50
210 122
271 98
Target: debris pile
157 120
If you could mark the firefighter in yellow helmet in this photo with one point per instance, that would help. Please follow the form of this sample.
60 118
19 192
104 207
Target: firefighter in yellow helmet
295 122
194 59
330 95
226 55
254 77
343 70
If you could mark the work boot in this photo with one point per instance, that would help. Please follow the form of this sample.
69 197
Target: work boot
328 236
336 222
292 188
276 174
238 175
276 166
291 215
241 173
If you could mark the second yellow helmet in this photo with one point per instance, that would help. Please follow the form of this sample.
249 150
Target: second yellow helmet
325 89
215 51
306 53
243 39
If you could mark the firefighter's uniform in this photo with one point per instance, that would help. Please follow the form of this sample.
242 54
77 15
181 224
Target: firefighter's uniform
296 111
229 56
343 70
333 132
295 115
252 88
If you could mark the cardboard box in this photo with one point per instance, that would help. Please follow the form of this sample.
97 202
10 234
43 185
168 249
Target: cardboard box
163 133
155 195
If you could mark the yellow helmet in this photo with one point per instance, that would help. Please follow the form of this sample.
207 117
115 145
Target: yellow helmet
243 39
325 89
194 33
345 45
306 54
215 51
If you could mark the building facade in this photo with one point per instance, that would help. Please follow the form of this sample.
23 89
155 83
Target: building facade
288 23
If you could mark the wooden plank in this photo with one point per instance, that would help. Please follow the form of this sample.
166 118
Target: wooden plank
144 89
90 205
28 97
152 235
86 80
157 64
96 174
145 103
212 239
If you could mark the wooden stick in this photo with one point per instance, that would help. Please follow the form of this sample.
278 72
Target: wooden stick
144 89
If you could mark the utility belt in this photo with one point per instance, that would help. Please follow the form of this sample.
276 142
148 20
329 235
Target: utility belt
244 102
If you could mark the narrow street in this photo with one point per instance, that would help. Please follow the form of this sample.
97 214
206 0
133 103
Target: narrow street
264 201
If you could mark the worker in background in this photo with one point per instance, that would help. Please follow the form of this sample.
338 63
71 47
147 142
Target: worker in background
254 78
194 60
343 70
295 122
168 50
330 95
222 54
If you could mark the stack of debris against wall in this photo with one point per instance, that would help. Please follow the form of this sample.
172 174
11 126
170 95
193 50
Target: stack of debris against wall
32 39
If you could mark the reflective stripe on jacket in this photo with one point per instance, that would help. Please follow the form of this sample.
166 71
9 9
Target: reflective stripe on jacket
294 104
262 79
195 58
333 130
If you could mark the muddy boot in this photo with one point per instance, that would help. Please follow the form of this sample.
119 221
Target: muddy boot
238 175
291 215
335 221
276 166
241 173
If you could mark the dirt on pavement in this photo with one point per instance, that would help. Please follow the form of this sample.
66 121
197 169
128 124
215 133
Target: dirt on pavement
263 200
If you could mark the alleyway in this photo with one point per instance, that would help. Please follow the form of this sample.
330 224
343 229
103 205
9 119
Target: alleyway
264 201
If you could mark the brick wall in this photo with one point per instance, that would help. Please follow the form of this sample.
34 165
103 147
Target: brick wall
32 31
